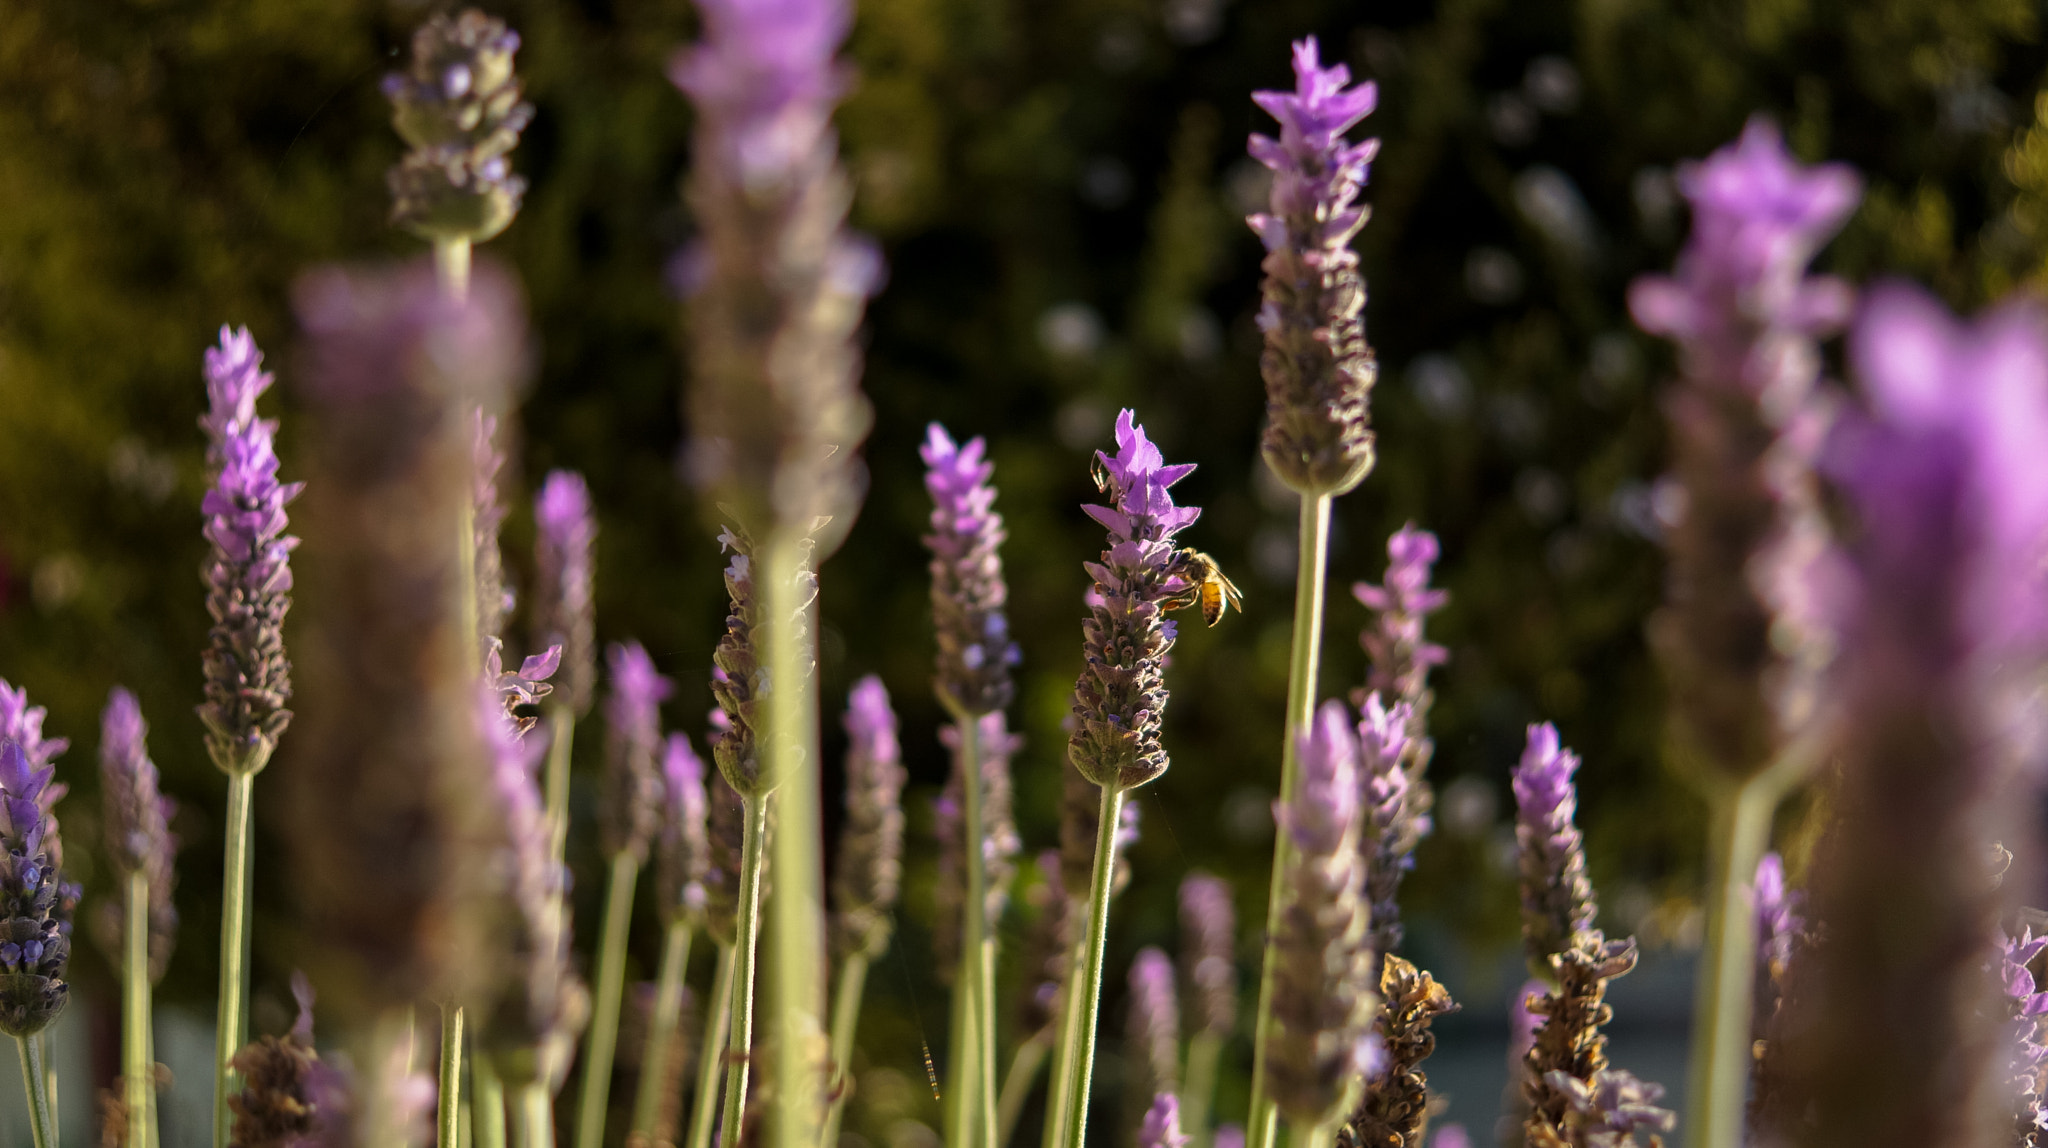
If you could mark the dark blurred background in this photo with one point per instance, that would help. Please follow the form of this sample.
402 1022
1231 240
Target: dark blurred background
1059 186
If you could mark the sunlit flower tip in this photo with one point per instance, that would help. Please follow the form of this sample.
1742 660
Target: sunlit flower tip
1557 898
136 832
565 533
1208 952
685 847
1400 656
1327 804
1161 1127
632 792
870 870
975 655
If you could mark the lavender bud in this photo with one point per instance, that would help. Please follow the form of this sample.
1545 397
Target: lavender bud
2026 1056
33 949
565 534
975 650
136 820
1208 953
487 516
1557 899
1400 656
1320 1042
997 836
1121 694
684 847
1611 1108
280 1103
870 869
1319 370
458 105
631 811
1396 1105
1391 830
1153 1028
248 572
1161 1128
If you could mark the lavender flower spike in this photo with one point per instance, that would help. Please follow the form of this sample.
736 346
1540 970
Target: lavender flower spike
34 949
2026 1066
685 846
248 572
136 820
870 870
1154 1025
487 516
1400 656
976 654
1391 829
458 105
1320 1044
1208 953
1319 370
631 813
565 533
1161 1128
1121 694
1557 899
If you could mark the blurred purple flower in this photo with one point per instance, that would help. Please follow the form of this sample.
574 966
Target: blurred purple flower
486 518
632 791
1161 1127
564 606
1400 656
976 654
35 948
870 871
1557 900
684 848
1208 953
2026 1065
1152 1031
1391 828
136 820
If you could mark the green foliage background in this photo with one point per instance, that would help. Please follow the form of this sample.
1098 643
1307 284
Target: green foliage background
1038 170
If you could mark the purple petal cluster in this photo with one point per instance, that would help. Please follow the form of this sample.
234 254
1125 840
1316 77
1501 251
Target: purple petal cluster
1738 637
630 815
1608 1111
1121 694
1320 1045
248 572
976 654
2026 1066
564 603
1208 953
996 837
870 870
1392 830
136 819
1161 1126
684 849
458 105
1152 1030
1318 368
33 946
22 724
1400 656
1557 899
486 517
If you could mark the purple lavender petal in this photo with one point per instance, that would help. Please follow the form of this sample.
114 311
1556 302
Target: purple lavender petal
565 534
976 654
1208 953
631 810
1557 899
135 821
1152 1032
870 871
684 849
1161 1127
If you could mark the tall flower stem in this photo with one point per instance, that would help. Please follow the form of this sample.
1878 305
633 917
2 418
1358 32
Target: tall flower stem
448 1100
1205 1049
1024 1066
595 1095
1062 1097
535 1121
135 1067
704 1108
797 994
1081 1066
1321 1136
661 1029
853 978
487 1120
234 926
740 1038
1262 1123
561 737
451 266
43 1121
961 1047
974 1120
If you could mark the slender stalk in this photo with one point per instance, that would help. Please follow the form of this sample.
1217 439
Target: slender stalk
960 1048
973 1067
561 737
50 1085
1089 972
1199 1091
705 1107
661 1030
1024 1066
1319 1136
448 1107
796 975
149 1060
234 924
740 1042
1740 826
1262 1122
135 1071
604 1011
43 1121
487 1126
535 1122
853 979
985 991
451 266
1063 1044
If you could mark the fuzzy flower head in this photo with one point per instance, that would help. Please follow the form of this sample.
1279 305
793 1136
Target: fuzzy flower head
976 654
1318 368
1557 899
632 806
136 813
565 534
1161 1127
766 71
1121 695
1208 953
458 105
248 572
685 850
870 871
1401 656
33 945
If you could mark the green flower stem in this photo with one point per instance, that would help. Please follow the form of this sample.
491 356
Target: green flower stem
853 979
973 1067
487 1123
604 1011
796 974
149 1059
43 1122
740 1022
1318 1136
1089 972
960 1049
1263 1120
985 991
1024 1066
1063 1044
234 924
1199 1091
705 1107
135 1068
448 1096
661 1030
50 1086
561 738
535 1120
451 266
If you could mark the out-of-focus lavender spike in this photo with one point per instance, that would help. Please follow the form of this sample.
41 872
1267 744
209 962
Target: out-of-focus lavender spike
283 1102
1611 1109
1400 656
976 654
35 949
726 822
1152 1032
1320 1045
631 811
1557 899
1391 832
1208 953
684 848
564 605
1522 1026
1161 1127
2026 1052
487 516
136 821
997 836
1450 1136
870 870
1778 930
1396 1106
248 572
1121 695
457 103
1048 946
1318 367
1230 1136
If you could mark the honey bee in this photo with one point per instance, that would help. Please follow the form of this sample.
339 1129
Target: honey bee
1216 594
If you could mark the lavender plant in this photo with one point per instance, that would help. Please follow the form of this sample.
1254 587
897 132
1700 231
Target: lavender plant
1080 827
1161 1127
993 842
1394 1109
289 1095
729 879
2026 1053
1152 1029
1208 977
136 825
36 948
683 853
565 615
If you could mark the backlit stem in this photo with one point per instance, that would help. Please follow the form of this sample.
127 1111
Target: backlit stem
704 1107
740 1042
596 1092
1089 972
853 977
234 923
135 1067
661 1028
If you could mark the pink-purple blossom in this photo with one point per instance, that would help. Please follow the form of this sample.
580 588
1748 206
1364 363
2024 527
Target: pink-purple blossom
564 603
1557 898
976 655
632 790
869 875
